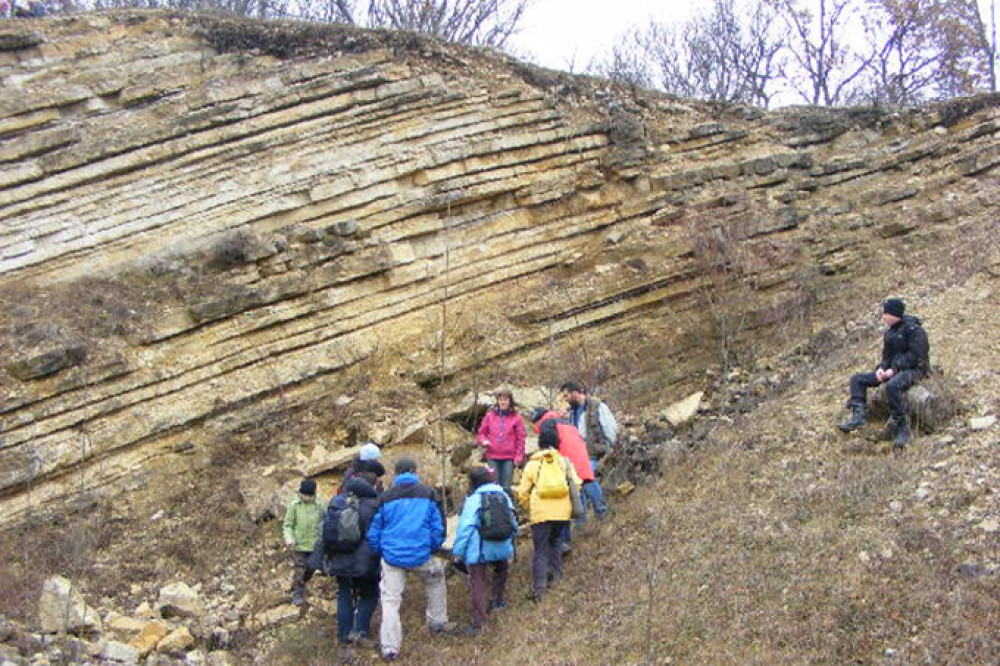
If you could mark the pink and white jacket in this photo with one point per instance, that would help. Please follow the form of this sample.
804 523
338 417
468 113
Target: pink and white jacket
505 433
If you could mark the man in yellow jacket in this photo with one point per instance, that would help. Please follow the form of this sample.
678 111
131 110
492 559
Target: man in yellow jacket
549 508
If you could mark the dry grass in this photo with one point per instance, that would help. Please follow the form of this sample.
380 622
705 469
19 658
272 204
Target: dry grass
773 542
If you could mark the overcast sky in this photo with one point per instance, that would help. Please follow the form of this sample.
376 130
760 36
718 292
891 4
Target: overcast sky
556 33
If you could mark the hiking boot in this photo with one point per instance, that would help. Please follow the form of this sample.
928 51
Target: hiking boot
565 548
443 628
498 605
856 421
902 437
473 630
298 597
890 428
389 656
365 642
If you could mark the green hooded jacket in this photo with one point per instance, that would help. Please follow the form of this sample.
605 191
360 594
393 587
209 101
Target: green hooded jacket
304 523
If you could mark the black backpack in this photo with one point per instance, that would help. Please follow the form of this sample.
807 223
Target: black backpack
342 525
496 519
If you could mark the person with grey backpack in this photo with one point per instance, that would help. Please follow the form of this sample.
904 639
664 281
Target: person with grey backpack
348 556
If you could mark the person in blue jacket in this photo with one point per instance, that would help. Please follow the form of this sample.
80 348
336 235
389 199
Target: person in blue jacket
408 529
478 554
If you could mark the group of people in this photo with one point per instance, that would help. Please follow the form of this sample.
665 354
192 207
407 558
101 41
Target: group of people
31 9
371 538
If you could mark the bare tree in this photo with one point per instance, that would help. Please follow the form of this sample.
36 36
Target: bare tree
906 56
926 49
479 22
969 63
720 56
628 60
325 11
821 45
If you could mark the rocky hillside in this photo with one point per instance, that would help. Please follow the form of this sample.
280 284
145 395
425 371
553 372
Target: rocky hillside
211 225
229 251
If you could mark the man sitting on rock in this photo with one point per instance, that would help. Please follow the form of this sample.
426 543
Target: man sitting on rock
905 361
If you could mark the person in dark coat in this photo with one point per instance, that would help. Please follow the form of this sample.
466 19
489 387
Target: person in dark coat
357 572
905 361
367 460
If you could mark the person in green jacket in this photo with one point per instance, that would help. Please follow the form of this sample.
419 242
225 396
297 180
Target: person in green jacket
303 526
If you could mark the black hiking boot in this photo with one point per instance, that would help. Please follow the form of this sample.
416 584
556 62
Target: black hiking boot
856 421
902 437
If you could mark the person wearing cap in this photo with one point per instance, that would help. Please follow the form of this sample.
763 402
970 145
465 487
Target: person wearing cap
502 434
302 527
905 361
367 460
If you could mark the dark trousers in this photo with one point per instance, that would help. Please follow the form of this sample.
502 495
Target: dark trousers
504 471
478 588
546 562
356 602
301 572
895 389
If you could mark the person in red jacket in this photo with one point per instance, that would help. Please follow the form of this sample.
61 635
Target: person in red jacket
571 446
571 443
502 435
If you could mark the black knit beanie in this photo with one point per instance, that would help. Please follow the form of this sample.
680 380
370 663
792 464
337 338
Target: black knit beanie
894 306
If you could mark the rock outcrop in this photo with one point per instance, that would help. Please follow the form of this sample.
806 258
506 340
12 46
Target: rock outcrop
208 226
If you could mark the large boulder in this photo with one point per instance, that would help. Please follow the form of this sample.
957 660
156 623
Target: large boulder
62 609
257 491
113 652
178 640
684 410
930 405
150 636
322 460
177 599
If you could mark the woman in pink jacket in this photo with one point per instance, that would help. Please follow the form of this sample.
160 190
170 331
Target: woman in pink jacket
502 435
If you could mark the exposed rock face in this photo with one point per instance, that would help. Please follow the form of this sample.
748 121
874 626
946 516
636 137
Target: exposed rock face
62 608
206 225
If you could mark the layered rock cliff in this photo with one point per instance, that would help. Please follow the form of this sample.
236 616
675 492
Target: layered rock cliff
209 227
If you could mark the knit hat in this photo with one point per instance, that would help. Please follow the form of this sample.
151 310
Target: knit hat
370 451
894 306
537 413
307 487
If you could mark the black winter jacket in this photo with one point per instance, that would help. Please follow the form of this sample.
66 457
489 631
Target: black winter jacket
362 562
905 347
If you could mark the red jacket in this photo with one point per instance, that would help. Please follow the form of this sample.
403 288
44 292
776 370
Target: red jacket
571 444
505 433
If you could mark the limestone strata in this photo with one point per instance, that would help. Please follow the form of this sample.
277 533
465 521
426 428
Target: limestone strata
204 222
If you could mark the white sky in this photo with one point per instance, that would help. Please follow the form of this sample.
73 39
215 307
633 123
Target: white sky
558 33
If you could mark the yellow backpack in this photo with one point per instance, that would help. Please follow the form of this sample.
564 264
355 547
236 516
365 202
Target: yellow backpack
551 482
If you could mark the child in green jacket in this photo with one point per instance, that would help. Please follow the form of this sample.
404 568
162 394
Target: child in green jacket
303 526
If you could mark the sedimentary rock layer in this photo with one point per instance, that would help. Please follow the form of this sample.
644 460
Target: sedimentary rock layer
205 221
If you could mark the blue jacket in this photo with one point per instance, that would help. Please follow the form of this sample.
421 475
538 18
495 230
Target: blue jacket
468 544
409 524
